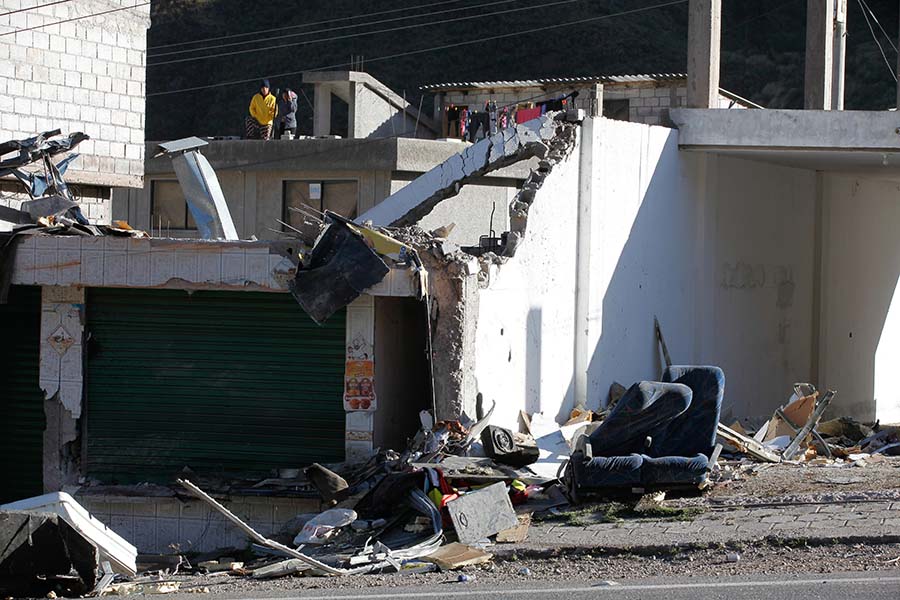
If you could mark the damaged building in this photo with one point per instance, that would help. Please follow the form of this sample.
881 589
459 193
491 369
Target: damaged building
549 247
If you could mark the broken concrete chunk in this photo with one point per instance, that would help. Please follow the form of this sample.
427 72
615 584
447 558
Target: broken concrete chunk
482 513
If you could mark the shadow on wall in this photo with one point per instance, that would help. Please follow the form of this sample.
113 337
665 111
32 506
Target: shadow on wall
664 234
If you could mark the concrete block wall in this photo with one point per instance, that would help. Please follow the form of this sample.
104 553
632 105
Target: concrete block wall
84 75
164 525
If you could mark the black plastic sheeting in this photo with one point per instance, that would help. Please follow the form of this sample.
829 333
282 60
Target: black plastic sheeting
40 553
340 268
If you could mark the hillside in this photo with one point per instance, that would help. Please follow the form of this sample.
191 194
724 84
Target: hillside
763 43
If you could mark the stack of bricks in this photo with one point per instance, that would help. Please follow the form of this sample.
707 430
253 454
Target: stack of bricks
87 74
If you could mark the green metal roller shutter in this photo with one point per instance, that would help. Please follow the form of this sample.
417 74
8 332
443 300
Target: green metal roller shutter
226 383
21 399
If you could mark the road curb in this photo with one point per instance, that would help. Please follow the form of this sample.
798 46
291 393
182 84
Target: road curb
513 552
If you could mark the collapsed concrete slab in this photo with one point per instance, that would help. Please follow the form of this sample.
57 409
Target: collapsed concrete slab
502 149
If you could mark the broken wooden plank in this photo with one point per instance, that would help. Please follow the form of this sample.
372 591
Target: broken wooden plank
811 423
745 444
517 534
281 569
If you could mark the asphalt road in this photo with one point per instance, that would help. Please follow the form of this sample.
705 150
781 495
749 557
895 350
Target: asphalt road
850 586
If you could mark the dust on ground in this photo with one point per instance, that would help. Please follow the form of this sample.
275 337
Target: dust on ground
758 483
764 558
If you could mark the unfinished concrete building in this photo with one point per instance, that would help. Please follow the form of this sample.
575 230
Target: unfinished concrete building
760 239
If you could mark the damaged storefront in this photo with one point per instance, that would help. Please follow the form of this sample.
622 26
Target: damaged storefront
137 360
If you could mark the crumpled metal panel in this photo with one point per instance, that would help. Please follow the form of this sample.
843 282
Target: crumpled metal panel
204 196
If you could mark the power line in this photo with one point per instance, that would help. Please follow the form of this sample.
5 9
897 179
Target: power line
877 22
877 43
375 32
425 50
731 27
290 35
347 18
97 14
36 6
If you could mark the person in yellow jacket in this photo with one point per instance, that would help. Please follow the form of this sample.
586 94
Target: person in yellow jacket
263 109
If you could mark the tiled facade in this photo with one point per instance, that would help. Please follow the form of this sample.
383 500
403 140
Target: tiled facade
86 74
167 524
167 263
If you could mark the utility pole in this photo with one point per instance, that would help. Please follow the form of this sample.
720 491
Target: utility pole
819 67
898 72
840 53
704 43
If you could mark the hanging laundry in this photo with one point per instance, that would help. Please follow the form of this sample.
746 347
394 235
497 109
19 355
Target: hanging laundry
527 114
453 116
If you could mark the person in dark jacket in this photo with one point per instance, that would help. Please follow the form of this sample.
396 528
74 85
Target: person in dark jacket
287 113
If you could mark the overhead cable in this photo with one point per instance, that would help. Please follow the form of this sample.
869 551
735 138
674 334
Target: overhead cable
430 49
412 15
268 48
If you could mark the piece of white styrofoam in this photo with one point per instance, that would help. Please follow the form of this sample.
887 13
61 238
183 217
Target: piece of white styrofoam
113 547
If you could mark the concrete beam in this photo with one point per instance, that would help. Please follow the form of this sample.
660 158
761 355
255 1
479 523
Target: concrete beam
443 181
819 67
704 42
305 156
874 131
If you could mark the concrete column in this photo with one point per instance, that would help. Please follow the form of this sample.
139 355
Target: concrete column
898 73
819 69
704 41
61 379
596 100
587 194
839 49
322 110
360 364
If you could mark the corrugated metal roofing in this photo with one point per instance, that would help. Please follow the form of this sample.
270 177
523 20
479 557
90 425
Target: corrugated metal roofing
519 83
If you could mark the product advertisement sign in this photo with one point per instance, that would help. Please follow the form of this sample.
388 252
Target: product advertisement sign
359 385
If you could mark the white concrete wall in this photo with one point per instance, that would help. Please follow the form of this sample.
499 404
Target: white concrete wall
523 342
761 316
85 75
721 250
470 212
860 323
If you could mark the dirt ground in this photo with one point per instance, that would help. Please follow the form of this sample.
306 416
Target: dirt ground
753 483
755 559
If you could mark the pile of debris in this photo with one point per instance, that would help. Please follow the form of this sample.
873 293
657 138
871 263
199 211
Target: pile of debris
51 545
52 208
796 434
